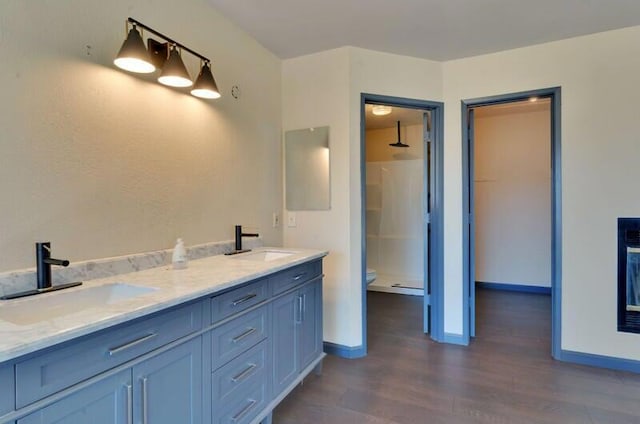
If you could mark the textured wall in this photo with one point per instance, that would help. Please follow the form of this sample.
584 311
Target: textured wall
599 79
512 164
103 163
325 89
315 90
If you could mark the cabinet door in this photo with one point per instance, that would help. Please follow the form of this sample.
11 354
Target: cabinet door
310 323
7 389
168 387
285 341
105 402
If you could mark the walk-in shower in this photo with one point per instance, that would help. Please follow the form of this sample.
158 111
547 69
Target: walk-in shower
394 202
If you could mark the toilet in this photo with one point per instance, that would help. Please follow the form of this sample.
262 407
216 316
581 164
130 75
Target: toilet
371 275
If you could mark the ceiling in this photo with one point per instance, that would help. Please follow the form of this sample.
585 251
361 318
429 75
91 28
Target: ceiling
432 29
404 115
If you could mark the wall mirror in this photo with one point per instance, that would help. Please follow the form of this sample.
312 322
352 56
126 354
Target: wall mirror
307 181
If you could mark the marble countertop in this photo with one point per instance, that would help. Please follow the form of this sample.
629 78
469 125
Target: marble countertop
203 277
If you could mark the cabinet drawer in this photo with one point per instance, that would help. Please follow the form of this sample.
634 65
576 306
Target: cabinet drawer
243 409
238 300
295 276
234 337
240 388
246 370
79 359
7 389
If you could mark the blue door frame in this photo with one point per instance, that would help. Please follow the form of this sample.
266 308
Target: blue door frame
553 94
436 188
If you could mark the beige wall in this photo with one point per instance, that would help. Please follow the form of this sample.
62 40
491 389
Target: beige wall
512 165
598 75
315 93
325 89
599 79
104 163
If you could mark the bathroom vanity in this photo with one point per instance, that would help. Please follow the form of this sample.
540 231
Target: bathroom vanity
223 341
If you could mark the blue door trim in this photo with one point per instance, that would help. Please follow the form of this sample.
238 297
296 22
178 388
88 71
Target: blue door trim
553 93
436 250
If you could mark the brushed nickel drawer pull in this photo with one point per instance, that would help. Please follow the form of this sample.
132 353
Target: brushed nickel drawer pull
145 402
244 373
128 345
244 411
243 299
129 404
304 307
247 333
299 276
298 312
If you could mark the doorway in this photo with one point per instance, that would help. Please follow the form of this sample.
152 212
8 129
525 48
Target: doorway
477 187
427 240
397 159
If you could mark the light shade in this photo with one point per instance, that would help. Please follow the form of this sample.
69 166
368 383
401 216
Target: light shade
174 73
205 86
381 110
133 55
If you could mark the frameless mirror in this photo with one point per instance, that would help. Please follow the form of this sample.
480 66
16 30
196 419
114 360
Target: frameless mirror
307 183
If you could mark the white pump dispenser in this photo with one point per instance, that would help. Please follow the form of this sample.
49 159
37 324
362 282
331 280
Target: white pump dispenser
179 259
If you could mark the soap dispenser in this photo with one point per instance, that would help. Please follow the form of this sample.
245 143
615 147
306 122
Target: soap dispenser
179 259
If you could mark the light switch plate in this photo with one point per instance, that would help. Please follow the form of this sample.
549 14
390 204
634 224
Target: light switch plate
275 220
291 219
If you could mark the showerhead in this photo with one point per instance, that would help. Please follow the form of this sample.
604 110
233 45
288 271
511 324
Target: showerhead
398 143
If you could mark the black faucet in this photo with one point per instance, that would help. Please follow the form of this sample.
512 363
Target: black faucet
43 273
44 262
239 235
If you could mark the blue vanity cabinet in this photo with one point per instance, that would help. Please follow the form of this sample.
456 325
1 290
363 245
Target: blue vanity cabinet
107 401
236 336
164 389
168 387
310 323
225 358
297 332
7 389
38 376
240 389
285 341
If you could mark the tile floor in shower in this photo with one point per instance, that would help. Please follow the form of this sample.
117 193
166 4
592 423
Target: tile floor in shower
396 284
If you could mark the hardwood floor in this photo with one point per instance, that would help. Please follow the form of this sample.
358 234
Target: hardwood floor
506 375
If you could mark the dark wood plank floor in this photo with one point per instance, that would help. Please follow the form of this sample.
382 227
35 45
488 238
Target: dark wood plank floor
505 376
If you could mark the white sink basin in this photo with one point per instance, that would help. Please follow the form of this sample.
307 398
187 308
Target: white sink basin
48 306
264 255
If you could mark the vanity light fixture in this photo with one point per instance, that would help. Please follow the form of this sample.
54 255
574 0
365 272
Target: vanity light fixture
205 86
174 73
381 110
133 55
167 57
